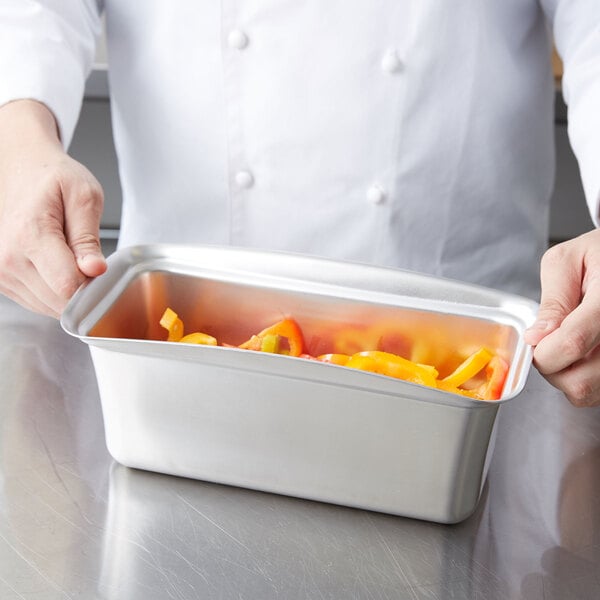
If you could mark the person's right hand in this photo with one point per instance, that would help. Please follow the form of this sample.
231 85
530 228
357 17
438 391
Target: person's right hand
50 209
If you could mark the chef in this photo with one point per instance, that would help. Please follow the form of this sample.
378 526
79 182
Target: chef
407 133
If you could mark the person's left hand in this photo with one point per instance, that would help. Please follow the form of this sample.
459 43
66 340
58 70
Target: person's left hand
566 334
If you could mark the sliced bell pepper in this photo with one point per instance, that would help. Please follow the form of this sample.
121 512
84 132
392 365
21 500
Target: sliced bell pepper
288 329
482 368
199 338
271 343
173 324
467 369
254 343
496 372
334 358
393 365
364 363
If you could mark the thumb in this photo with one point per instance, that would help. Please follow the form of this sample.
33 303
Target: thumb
92 265
83 210
561 292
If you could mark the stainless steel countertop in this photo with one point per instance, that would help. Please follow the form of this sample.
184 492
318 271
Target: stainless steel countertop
73 524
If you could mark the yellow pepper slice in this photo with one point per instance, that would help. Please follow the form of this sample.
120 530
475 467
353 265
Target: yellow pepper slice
364 363
199 338
271 343
173 324
467 369
392 365
334 358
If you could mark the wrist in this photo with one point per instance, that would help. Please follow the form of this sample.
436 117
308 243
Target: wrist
28 121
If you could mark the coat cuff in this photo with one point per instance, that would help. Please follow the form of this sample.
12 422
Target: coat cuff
45 58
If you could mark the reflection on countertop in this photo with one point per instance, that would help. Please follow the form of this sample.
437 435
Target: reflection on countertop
74 524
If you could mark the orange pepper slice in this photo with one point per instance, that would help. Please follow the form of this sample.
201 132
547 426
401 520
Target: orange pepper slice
287 328
173 324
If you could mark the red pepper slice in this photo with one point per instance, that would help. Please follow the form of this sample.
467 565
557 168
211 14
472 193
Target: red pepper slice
496 372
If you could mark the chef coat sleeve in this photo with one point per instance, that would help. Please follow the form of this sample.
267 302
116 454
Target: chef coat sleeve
576 27
46 53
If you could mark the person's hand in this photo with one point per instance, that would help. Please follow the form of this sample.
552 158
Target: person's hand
50 209
566 334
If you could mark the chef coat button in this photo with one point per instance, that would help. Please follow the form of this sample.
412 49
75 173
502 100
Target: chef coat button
376 194
244 179
237 39
391 62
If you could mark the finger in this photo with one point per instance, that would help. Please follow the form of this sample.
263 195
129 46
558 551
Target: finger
32 280
21 283
578 334
83 210
19 293
56 266
561 279
91 265
581 382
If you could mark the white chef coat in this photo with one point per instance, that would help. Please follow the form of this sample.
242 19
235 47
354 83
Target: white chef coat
410 133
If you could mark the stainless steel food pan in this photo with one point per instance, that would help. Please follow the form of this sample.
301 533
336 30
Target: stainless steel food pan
290 425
